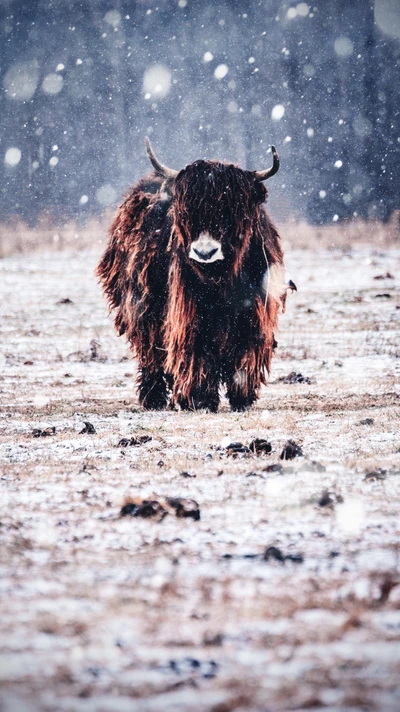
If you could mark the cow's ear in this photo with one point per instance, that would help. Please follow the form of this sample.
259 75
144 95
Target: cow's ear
260 192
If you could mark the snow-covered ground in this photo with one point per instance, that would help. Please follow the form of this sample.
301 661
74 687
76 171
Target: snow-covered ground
105 614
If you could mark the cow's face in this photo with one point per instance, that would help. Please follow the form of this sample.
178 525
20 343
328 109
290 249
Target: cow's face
215 210
215 206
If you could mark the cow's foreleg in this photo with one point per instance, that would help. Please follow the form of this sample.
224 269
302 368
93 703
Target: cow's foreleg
153 384
250 354
153 394
204 395
243 385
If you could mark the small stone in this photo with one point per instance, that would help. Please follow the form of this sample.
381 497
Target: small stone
234 449
387 275
294 377
124 442
89 429
329 499
185 508
275 467
260 446
273 553
159 508
366 421
375 475
146 509
38 433
291 450
131 442
276 554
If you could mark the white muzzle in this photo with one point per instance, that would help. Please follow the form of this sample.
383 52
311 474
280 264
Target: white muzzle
205 249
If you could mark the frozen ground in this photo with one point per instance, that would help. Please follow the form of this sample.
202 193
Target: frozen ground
107 614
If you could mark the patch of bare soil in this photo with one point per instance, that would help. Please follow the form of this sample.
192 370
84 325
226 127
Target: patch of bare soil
167 561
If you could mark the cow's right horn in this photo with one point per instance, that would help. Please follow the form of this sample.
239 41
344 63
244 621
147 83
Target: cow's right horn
161 170
264 175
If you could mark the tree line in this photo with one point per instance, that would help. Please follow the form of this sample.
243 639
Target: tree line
82 82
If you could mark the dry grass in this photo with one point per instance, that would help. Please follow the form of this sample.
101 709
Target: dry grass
18 238
344 235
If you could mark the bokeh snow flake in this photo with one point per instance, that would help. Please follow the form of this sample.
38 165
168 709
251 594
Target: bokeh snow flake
106 195
221 71
302 9
12 157
277 112
343 46
83 199
157 81
350 516
53 161
362 126
275 488
52 83
39 401
21 80
208 57
387 17
113 18
266 415
309 70
256 110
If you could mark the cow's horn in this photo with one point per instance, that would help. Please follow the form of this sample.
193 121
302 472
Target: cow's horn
263 175
162 171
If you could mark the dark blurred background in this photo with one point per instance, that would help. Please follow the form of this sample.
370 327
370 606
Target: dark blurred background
82 82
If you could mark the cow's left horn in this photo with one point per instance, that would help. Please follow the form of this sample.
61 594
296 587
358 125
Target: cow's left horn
263 175
160 169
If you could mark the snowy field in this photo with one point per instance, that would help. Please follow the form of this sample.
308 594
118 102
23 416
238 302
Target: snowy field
285 594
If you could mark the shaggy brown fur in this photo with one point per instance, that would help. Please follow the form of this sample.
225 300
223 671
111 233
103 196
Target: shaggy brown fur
191 325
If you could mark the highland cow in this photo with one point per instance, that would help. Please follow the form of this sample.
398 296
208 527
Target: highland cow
194 270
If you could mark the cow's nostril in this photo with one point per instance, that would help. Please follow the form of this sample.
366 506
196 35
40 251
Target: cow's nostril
206 255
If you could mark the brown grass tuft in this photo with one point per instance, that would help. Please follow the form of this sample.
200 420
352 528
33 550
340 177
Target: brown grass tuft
18 238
